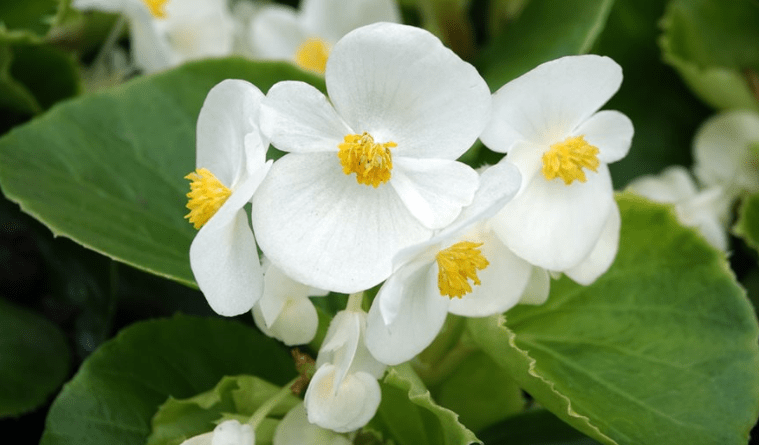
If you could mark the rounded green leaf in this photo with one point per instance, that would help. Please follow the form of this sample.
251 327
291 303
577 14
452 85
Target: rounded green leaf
747 226
107 170
662 349
34 359
120 387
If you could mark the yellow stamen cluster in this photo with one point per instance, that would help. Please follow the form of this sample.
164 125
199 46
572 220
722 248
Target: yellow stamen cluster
207 195
312 55
457 265
370 161
566 160
157 8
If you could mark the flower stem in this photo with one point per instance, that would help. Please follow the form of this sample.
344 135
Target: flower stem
270 404
355 302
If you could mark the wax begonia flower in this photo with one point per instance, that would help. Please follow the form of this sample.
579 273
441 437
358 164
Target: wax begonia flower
373 171
295 429
306 36
343 394
548 123
231 163
464 269
726 152
706 210
229 432
166 33
284 311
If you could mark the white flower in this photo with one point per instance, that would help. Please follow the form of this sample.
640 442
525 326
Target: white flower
373 171
284 311
706 210
229 432
465 270
166 33
564 217
343 394
307 36
295 429
726 152
230 166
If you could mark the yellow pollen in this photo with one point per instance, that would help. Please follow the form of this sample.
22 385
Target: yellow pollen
370 161
457 265
567 159
312 55
157 8
207 195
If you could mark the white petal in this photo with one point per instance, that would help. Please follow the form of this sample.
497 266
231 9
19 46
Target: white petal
229 113
721 151
201 439
399 83
224 258
295 324
295 429
298 118
324 229
421 313
345 408
341 344
231 432
434 190
276 32
611 132
102 5
546 104
503 282
600 258
150 49
278 288
672 185
332 19
538 287
555 226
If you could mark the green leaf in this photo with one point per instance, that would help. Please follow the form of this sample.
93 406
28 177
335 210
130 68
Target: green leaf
107 170
711 44
178 420
747 226
34 359
31 20
119 388
408 415
545 30
535 427
13 94
661 349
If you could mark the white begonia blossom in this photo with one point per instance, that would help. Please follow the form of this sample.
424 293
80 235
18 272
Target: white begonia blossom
284 311
726 152
166 33
706 210
343 394
465 270
231 163
306 36
563 218
229 432
374 170
295 429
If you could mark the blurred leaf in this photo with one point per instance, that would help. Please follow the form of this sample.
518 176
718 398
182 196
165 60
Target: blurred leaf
31 20
178 420
664 113
747 226
107 170
536 427
13 94
661 349
711 44
34 359
408 415
544 31
120 387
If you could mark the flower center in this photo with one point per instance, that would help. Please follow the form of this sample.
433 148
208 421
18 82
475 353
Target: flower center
567 159
207 195
457 265
370 161
157 8
312 55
